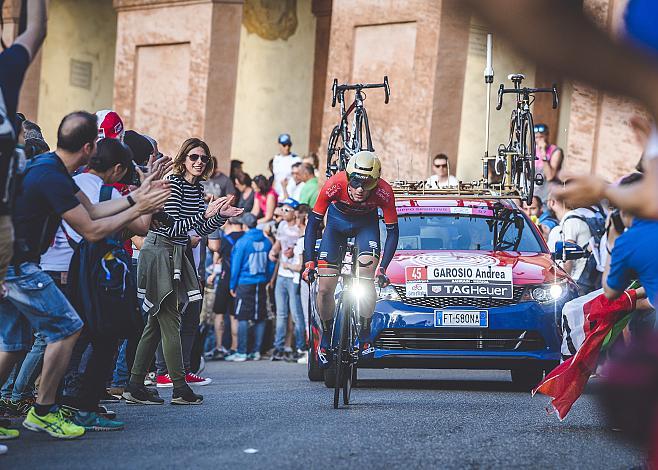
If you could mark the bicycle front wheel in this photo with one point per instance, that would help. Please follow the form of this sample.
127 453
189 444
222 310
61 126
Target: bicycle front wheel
350 366
341 360
528 153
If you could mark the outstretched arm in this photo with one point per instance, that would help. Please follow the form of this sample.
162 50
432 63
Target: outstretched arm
35 30
639 199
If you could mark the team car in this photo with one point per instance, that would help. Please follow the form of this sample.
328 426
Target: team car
473 286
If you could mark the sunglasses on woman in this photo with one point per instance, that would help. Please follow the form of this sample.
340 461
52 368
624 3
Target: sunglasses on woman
194 157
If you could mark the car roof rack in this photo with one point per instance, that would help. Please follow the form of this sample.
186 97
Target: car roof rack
474 190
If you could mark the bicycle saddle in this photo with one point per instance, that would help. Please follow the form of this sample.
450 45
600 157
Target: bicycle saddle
516 77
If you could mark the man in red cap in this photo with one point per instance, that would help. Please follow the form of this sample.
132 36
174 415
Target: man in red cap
110 125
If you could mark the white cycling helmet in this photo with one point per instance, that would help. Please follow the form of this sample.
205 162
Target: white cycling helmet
363 170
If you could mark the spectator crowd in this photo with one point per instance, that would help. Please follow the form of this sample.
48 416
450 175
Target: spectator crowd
123 270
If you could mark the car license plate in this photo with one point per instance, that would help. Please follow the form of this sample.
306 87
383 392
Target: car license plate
465 318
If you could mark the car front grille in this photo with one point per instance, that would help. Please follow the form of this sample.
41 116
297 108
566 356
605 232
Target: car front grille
442 302
459 338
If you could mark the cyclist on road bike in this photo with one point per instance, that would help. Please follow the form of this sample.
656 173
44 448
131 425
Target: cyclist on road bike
350 199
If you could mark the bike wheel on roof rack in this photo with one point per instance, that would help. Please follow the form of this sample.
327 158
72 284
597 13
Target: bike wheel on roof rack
333 152
527 186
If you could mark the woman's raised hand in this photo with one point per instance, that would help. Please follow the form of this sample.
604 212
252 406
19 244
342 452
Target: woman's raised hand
227 210
213 206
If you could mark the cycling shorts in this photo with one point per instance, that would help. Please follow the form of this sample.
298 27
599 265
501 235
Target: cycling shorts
364 228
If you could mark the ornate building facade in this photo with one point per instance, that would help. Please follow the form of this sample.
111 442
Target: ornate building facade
239 72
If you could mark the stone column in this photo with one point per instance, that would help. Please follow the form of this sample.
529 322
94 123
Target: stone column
449 82
322 12
176 68
28 101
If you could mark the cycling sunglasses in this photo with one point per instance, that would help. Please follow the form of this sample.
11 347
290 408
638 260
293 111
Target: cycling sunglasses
541 129
193 158
362 181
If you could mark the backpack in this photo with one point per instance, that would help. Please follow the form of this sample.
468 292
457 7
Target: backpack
22 251
590 279
102 287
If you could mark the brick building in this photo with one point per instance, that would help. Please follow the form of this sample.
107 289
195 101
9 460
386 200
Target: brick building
239 72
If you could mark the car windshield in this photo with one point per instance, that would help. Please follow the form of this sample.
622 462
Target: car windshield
507 231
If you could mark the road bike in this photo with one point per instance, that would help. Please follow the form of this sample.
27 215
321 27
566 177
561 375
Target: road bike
345 141
342 374
516 160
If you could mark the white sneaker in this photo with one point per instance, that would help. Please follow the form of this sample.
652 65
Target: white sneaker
303 359
237 357
255 356
3 449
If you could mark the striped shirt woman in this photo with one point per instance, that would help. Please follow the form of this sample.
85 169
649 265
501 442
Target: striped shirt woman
166 279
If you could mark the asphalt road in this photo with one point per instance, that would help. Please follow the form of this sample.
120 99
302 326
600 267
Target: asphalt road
412 419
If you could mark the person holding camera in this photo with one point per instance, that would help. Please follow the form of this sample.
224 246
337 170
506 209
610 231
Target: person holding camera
633 251
167 283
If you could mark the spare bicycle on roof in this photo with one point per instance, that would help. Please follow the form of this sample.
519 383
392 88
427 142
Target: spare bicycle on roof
510 173
514 162
346 140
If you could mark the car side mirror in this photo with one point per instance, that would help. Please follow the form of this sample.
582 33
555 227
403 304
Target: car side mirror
566 251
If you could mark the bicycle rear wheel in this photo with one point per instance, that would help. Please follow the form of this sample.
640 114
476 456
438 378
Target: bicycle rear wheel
528 153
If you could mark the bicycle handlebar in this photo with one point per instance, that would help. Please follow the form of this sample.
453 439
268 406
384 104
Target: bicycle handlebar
526 91
336 89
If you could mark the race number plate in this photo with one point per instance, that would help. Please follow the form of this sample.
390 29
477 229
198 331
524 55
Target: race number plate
465 318
459 281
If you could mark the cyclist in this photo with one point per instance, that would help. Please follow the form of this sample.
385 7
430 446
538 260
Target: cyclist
350 199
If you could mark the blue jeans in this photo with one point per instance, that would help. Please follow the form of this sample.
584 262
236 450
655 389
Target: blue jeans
243 336
20 384
121 373
34 302
287 298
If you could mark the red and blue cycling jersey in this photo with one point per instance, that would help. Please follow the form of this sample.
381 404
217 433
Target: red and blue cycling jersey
347 218
335 192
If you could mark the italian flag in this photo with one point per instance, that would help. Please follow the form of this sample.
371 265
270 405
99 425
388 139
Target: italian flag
590 320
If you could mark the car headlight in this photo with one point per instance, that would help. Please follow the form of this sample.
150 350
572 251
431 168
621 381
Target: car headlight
546 293
388 293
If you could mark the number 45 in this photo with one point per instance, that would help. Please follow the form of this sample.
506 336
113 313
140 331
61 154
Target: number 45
418 273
